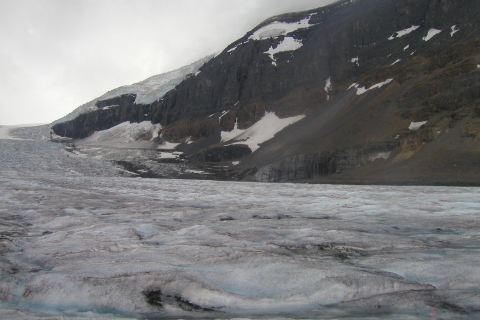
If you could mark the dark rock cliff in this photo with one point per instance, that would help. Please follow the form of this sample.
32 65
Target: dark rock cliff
434 79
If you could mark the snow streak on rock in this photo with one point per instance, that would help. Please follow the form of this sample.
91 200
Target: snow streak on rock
454 30
396 61
362 90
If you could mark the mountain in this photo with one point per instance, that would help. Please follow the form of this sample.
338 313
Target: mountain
360 91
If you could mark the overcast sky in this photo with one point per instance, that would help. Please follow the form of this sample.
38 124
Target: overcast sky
56 55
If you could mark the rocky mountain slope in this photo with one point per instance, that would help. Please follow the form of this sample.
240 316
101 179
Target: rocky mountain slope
360 91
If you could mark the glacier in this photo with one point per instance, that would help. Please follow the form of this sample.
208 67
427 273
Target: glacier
146 91
83 239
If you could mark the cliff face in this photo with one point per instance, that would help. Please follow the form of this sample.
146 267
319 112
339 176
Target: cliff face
387 87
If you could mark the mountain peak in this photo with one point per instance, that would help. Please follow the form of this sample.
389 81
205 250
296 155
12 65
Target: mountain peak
358 72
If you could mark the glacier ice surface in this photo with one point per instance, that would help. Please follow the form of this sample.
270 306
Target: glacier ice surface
78 241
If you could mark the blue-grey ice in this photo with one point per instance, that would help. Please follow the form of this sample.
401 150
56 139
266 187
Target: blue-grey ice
80 238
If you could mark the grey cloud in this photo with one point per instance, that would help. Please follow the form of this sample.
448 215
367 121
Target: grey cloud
79 49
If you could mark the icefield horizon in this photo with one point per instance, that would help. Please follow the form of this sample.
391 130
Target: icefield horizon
81 241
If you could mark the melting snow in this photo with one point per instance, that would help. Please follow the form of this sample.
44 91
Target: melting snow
276 29
362 90
288 44
454 30
265 129
431 33
416 125
403 32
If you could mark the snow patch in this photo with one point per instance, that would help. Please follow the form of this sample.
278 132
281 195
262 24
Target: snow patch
229 135
431 33
238 45
168 155
223 113
403 32
454 30
380 155
362 90
328 87
197 172
265 129
288 44
168 146
416 125
276 29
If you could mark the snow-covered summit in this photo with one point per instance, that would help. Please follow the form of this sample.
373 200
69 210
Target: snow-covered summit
146 91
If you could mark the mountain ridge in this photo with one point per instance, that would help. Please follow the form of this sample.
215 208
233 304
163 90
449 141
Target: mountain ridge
365 70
